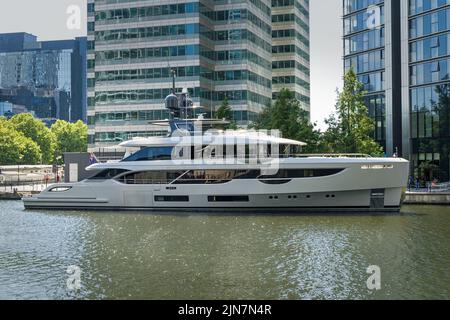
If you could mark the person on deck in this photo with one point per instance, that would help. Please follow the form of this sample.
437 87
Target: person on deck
92 159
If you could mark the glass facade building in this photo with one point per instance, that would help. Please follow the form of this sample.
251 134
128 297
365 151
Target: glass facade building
428 90
404 63
365 52
218 49
46 78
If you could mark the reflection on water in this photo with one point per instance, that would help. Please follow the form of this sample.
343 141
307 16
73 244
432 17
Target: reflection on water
145 256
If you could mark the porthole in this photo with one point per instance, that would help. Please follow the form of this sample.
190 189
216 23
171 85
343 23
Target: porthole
59 189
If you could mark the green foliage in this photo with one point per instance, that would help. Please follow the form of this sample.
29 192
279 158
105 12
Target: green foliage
36 130
26 140
287 115
70 137
224 111
350 128
15 148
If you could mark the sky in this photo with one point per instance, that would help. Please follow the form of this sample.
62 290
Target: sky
47 19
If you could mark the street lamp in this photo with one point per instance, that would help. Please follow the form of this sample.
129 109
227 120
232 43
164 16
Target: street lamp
57 158
18 169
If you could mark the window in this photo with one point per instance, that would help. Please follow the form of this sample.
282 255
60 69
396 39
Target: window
172 198
59 189
228 199
302 173
205 177
107 174
150 177
152 153
275 181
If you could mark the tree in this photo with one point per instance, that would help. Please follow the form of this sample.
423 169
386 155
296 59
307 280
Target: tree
287 115
224 111
15 148
70 137
350 128
36 130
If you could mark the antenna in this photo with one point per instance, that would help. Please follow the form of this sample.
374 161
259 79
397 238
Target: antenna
173 80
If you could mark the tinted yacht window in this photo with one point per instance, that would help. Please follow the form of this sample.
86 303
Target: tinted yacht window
107 174
302 173
152 153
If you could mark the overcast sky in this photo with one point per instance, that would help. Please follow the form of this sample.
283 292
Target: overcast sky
47 20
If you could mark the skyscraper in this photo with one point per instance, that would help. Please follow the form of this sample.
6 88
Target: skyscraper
46 78
219 50
365 50
400 50
290 49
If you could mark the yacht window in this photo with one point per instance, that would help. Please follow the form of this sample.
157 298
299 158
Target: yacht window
59 189
107 174
206 177
276 181
302 173
150 177
221 176
152 153
228 199
172 198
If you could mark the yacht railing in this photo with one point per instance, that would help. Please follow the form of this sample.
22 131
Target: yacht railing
326 155
174 182
430 187
117 158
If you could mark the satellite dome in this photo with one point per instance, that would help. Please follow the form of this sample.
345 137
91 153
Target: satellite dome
171 101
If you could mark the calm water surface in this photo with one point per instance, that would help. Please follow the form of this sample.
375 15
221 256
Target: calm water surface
145 256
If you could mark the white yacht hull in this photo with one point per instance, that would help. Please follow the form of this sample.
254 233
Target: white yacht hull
353 189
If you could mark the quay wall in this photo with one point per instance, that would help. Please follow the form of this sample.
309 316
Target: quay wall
427 198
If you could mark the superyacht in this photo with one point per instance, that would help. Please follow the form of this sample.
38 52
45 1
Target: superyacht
200 166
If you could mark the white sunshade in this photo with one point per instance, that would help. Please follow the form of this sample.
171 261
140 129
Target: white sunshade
221 138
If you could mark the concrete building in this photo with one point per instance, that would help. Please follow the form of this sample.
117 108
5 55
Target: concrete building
47 78
218 49
400 51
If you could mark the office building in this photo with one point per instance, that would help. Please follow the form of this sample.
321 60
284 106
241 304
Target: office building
290 49
219 50
6 109
46 78
402 59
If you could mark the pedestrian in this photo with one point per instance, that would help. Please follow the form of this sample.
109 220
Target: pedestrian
417 184
92 159
46 179
410 183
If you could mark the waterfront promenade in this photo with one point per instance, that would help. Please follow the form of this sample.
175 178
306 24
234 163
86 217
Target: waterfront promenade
18 181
